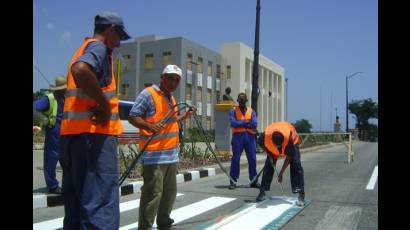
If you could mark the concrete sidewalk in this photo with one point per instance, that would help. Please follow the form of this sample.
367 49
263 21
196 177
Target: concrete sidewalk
42 199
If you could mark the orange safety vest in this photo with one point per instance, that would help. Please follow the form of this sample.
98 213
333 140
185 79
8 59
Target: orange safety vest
76 116
168 137
286 129
240 117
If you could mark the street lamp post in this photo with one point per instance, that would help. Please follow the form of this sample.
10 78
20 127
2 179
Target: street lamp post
347 101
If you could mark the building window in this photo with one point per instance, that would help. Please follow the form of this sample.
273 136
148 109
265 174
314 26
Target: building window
209 68
209 96
189 62
198 95
127 58
208 123
218 72
188 94
228 72
166 58
200 65
124 91
149 61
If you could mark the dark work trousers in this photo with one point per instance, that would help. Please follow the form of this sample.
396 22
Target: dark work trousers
157 195
90 181
296 173
239 142
51 155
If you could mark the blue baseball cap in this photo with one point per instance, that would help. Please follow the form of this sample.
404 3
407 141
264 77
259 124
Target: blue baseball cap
111 18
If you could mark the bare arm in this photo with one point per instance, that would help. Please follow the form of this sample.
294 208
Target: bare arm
142 124
86 79
188 113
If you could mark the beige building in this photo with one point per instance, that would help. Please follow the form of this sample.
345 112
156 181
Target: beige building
238 59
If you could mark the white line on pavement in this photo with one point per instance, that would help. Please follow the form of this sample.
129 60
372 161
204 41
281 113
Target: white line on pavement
58 222
373 179
191 210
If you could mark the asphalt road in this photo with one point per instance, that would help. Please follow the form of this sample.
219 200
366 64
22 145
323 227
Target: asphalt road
343 196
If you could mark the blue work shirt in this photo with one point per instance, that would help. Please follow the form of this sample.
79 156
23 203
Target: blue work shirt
238 124
98 56
144 107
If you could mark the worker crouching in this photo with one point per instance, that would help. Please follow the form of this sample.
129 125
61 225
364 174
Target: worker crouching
279 140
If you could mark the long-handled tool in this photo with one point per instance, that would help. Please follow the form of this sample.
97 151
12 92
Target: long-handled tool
277 175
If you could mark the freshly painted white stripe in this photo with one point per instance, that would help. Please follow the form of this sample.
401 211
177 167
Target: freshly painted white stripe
194 175
340 218
256 216
373 178
39 201
180 178
133 204
191 210
58 222
49 224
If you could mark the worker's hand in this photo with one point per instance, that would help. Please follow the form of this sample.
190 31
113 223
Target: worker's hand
100 114
192 110
155 127
280 177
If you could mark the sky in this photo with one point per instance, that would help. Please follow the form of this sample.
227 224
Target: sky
317 42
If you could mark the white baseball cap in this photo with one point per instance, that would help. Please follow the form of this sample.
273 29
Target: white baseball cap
172 69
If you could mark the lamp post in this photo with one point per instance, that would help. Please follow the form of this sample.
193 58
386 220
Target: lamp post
347 100
255 69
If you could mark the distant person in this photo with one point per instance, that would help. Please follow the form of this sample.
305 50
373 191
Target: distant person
279 140
89 129
160 158
227 96
51 106
243 122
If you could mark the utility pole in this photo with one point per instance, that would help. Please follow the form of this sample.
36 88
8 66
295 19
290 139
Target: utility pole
320 108
347 101
255 69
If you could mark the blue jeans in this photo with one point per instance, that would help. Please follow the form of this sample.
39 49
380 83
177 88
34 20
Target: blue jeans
239 142
90 181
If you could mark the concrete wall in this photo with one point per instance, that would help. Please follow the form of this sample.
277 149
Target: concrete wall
271 78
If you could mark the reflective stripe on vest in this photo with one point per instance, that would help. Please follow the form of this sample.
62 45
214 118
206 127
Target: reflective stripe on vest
240 117
286 129
77 104
51 113
168 137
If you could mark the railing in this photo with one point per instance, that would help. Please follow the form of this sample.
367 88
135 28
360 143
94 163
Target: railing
307 139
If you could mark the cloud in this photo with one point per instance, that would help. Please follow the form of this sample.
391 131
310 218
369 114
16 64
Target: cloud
66 36
50 26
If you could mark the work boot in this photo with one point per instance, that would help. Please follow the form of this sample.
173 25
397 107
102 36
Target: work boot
255 185
168 226
232 185
56 190
301 200
261 196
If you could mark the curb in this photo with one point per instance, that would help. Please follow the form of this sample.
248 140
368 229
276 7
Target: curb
52 200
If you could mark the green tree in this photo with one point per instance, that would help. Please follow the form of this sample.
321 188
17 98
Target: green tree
302 126
363 111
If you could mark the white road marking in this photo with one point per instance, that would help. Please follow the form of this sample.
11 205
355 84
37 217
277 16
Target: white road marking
373 179
340 218
191 210
256 216
58 222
